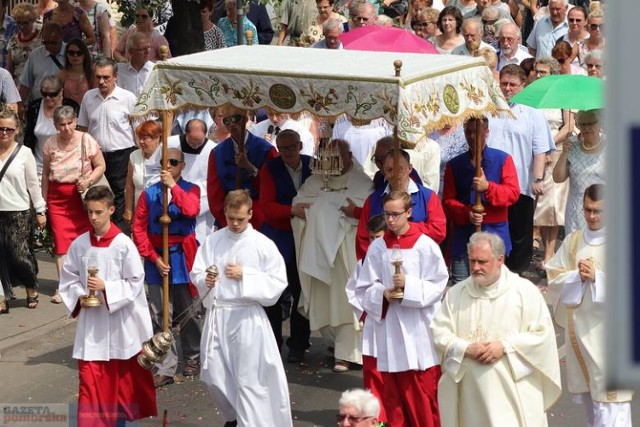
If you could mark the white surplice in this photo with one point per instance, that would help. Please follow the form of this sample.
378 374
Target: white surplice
325 250
241 362
581 312
117 328
517 389
402 336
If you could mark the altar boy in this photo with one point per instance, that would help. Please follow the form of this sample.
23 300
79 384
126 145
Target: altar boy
113 386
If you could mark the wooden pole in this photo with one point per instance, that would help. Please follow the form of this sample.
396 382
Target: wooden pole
395 180
241 150
167 121
477 207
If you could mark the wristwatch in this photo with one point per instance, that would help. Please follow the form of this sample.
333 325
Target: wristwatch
43 213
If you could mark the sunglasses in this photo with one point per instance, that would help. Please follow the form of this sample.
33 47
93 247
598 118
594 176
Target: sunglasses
174 162
49 94
74 53
8 131
293 147
236 118
575 20
595 27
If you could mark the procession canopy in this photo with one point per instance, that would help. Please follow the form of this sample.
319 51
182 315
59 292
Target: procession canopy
431 91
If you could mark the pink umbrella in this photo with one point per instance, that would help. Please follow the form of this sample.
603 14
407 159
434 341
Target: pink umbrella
385 39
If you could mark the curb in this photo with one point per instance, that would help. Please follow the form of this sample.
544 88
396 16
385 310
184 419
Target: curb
32 337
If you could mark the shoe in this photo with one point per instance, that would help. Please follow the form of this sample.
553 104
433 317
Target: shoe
162 380
32 300
295 356
56 299
341 366
191 369
4 306
233 423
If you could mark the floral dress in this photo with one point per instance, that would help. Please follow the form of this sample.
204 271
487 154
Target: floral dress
20 51
314 33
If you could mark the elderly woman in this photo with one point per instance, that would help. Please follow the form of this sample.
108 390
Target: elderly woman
24 41
425 23
358 408
148 135
74 21
19 188
73 162
582 161
229 23
314 33
144 24
450 25
39 120
550 207
593 63
77 74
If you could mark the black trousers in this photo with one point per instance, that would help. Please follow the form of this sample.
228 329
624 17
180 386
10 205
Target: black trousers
521 232
117 163
299 325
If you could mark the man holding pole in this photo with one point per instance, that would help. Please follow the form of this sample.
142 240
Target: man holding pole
498 188
235 164
109 336
183 208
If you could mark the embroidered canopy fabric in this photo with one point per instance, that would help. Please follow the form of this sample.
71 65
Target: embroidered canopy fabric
432 90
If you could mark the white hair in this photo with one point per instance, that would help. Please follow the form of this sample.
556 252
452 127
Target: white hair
363 401
494 241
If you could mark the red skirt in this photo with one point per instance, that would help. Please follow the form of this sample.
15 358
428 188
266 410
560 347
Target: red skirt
114 390
67 216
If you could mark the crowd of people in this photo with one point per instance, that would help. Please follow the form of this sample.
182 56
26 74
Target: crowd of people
365 257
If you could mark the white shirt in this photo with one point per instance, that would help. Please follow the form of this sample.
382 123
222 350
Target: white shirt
107 119
20 185
39 65
462 49
262 129
132 80
521 55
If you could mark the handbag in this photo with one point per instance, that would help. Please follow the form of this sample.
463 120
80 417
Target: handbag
83 156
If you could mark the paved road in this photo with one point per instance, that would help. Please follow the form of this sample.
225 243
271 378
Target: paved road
36 367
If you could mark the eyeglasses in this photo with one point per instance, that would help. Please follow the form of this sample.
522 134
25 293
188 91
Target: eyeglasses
394 215
352 420
508 85
8 131
49 94
575 19
585 124
236 118
174 162
506 39
292 147
424 24
361 19
595 27
140 16
75 53
597 66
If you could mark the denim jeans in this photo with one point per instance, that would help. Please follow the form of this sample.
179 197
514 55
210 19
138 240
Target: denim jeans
459 269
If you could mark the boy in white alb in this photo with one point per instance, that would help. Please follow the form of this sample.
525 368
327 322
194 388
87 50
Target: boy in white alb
114 388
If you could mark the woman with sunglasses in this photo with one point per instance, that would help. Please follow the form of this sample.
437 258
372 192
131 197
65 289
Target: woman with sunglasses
39 119
595 27
73 162
148 135
577 19
19 188
74 21
144 24
77 75
563 53
24 41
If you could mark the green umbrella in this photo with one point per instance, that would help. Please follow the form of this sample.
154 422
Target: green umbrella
563 91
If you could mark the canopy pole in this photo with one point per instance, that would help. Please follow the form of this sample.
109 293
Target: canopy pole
239 22
477 208
395 180
167 121
241 150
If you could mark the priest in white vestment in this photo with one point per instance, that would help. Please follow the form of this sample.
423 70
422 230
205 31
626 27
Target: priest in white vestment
241 362
496 339
325 250
196 148
577 274
113 386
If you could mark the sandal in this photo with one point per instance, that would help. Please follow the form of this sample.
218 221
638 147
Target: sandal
4 306
32 300
56 299
341 366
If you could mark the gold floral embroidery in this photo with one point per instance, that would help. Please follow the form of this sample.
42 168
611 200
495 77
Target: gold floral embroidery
318 101
249 95
171 91
474 94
